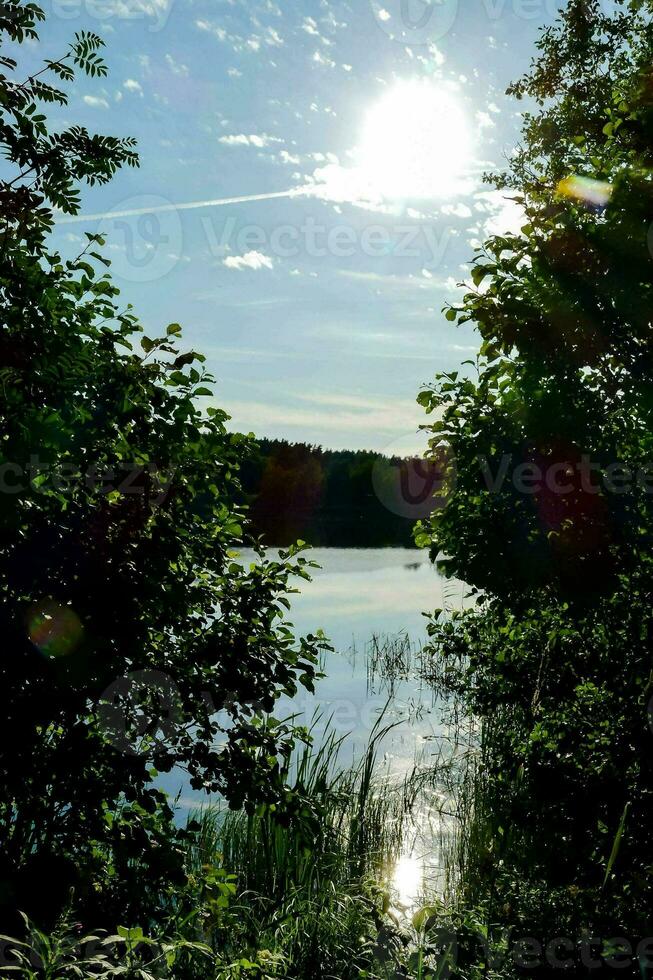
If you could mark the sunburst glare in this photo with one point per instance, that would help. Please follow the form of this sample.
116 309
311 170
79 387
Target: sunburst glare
415 142
407 880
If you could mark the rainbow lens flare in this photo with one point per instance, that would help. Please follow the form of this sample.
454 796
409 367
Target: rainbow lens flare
55 630
591 193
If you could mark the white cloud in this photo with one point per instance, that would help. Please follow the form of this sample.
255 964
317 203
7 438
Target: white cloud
176 66
158 10
241 139
286 157
95 103
432 57
205 25
251 260
320 59
330 411
234 73
273 38
238 43
329 19
132 85
484 120
458 210
505 215
310 26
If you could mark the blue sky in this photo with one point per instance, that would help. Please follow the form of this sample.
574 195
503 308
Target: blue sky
319 312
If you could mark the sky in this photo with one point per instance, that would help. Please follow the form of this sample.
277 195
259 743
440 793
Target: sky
332 153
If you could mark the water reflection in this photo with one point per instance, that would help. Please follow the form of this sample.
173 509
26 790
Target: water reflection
407 881
356 594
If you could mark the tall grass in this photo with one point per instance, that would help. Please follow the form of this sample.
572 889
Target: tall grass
302 898
314 890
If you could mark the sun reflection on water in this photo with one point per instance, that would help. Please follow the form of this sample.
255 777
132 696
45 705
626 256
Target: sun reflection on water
407 880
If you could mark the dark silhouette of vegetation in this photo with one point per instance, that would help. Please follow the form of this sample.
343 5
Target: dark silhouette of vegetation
116 551
556 663
325 497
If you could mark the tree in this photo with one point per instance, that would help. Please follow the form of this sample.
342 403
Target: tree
551 518
132 637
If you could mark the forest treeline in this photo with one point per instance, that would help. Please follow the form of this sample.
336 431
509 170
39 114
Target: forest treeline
325 497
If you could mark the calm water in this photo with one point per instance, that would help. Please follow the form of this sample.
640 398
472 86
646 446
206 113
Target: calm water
355 594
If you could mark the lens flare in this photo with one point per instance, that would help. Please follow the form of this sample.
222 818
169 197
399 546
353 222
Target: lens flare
55 630
594 194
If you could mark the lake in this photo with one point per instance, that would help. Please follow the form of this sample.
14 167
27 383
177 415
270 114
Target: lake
354 595
357 594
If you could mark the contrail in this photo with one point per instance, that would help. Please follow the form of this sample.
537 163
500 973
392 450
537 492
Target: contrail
187 206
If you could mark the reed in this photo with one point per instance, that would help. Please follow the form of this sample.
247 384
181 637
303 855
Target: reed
314 890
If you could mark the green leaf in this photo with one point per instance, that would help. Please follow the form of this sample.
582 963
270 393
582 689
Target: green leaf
616 845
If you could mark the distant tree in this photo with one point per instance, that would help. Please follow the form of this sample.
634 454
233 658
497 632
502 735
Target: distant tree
551 519
126 621
332 498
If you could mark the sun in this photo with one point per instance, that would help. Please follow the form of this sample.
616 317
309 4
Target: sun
415 143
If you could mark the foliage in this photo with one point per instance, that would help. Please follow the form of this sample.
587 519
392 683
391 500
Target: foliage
68 952
305 898
552 516
127 623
